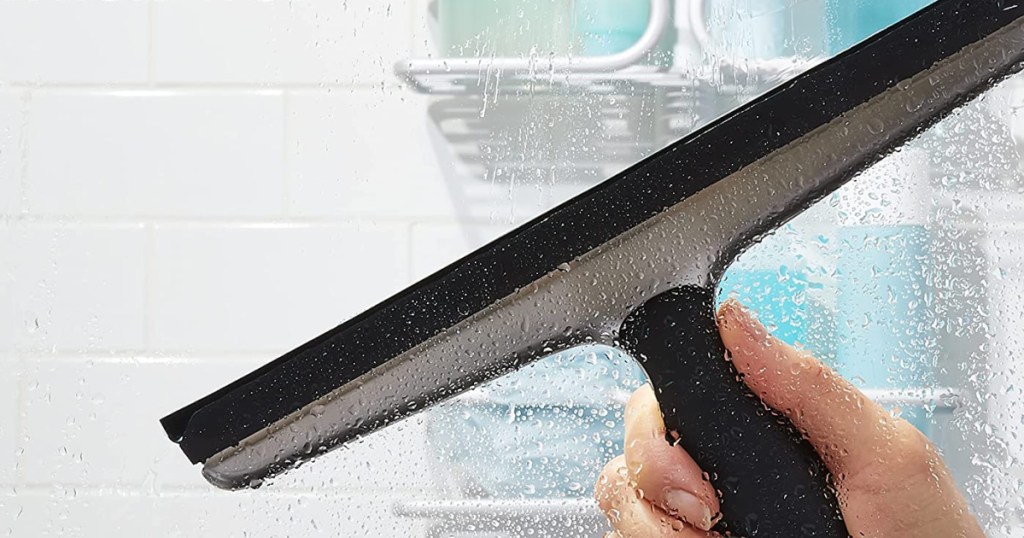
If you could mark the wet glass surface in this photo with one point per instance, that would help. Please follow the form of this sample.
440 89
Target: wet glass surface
170 222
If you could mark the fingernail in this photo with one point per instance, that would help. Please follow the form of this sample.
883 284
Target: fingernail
689 508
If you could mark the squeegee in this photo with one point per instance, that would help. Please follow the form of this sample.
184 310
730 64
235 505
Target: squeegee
631 263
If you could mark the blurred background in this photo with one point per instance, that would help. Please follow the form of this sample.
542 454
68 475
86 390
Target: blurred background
190 188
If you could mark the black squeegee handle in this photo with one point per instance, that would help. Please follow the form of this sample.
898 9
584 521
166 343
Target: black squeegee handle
772 484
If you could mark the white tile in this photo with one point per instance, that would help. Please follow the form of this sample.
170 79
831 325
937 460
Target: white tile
314 41
71 288
268 288
364 153
155 153
83 41
435 245
12 118
256 514
9 410
95 422
369 152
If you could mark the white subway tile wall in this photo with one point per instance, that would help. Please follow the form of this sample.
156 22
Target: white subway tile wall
78 42
336 168
12 121
435 245
90 421
72 288
187 189
256 42
267 287
155 153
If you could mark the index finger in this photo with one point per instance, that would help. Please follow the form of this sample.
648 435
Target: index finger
847 428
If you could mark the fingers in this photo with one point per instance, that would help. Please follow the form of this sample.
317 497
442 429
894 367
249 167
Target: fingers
665 475
892 481
629 514
843 425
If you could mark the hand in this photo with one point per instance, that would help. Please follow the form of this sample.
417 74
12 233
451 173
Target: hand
890 479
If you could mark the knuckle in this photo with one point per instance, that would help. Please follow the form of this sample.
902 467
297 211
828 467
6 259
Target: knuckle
905 460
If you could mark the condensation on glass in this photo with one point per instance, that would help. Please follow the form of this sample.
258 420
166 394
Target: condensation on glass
907 281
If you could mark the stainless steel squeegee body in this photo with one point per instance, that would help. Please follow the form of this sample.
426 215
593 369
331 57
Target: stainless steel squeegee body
576 274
